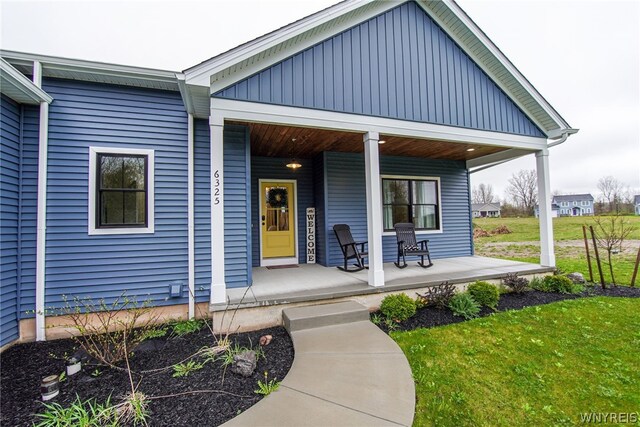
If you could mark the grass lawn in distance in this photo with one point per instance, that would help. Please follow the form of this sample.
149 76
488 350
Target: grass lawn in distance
542 365
522 244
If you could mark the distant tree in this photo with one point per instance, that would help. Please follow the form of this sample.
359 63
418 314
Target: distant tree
523 190
483 193
612 191
611 232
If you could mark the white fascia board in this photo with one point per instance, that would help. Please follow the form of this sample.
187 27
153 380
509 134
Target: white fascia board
91 67
201 74
17 80
496 158
305 117
493 49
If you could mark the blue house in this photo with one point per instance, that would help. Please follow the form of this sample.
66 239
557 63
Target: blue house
636 204
183 186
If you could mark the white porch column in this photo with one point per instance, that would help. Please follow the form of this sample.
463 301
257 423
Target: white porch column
374 208
218 287
547 254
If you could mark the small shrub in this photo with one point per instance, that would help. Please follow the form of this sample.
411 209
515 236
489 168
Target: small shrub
517 285
107 331
376 319
538 284
561 284
398 307
186 327
438 296
464 305
484 293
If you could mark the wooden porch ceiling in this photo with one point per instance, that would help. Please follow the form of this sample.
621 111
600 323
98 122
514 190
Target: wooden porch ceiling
276 141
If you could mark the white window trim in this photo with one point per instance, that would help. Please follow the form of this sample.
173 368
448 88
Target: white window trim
440 230
93 156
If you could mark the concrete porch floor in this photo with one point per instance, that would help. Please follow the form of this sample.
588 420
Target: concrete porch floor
309 282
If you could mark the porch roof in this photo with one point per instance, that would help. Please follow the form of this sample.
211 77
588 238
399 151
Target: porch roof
270 140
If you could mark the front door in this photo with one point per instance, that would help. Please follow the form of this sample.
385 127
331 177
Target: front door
278 220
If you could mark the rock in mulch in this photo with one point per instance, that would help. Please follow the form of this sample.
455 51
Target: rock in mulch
576 277
244 363
265 340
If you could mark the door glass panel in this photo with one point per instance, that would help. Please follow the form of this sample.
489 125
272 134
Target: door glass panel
277 208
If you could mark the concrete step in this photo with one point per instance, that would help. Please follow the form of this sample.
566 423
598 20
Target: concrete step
316 316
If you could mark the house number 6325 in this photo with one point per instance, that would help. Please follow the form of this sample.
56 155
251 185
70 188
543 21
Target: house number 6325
216 188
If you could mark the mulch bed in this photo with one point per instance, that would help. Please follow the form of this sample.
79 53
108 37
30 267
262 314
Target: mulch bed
429 317
24 366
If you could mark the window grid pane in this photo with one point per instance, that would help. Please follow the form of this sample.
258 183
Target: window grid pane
410 201
122 196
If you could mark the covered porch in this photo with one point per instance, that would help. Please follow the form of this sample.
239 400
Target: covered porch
309 282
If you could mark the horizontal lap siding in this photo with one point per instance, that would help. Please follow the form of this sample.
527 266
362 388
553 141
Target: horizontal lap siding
347 202
399 65
143 265
237 238
9 222
275 168
202 210
29 210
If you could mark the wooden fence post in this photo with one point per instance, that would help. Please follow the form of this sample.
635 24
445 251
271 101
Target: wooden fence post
586 248
595 247
635 270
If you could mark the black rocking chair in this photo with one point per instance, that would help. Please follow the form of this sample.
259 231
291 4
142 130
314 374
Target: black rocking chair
349 248
407 245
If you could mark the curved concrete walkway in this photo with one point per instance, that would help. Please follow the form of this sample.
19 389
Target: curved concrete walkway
349 374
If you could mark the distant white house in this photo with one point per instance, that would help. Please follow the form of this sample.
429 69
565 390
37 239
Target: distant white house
485 210
636 203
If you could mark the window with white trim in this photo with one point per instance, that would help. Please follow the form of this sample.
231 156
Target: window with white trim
121 188
415 200
564 203
585 203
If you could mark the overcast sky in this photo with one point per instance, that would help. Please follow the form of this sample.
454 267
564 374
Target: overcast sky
582 56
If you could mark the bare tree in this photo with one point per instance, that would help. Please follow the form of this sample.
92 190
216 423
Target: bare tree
611 232
523 189
611 190
483 193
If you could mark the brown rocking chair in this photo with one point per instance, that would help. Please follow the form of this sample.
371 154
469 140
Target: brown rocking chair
407 245
349 248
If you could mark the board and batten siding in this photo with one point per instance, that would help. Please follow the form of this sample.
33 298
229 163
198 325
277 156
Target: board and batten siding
399 65
274 168
10 141
104 266
347 202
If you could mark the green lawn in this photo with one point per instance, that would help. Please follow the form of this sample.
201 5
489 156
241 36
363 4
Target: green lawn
542 365
519 245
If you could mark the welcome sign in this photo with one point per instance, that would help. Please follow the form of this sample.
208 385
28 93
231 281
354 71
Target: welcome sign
311 235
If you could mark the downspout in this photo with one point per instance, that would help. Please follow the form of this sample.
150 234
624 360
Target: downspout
20 175
190 217
41 236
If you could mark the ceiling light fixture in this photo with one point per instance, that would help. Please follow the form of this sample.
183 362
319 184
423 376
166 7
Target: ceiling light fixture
382 141
293 164
471 149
